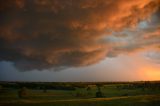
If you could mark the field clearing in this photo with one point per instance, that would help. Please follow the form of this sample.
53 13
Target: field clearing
113 96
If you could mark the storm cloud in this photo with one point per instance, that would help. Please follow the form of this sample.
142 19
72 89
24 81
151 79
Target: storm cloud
42 34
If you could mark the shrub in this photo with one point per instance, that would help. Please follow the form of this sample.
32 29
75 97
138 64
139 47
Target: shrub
44 90
22 93
80 94
99 94
88 88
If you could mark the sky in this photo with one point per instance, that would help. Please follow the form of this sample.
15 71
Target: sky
84 40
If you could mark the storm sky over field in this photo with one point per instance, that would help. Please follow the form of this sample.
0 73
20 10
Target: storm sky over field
79 40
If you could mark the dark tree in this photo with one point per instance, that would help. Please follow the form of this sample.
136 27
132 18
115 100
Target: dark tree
22 93
99 92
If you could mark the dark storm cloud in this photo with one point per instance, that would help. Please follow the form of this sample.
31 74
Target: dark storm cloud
41 34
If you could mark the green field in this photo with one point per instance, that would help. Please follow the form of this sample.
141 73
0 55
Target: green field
112 96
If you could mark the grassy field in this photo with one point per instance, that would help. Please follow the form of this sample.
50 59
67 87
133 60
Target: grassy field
112 96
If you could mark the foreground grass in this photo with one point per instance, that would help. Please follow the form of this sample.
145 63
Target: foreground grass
141 100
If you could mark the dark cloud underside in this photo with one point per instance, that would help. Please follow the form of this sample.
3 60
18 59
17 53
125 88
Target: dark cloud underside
42 34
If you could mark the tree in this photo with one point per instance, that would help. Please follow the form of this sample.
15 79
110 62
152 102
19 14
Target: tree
44 89
88 90
99 93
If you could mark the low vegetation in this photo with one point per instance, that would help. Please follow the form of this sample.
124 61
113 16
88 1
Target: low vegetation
80 94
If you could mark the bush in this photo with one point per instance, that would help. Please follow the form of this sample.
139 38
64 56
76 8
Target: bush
126 94
0 87
80 94
88 88
44 90
99 94
22 93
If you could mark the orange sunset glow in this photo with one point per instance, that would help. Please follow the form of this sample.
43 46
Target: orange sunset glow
150 73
